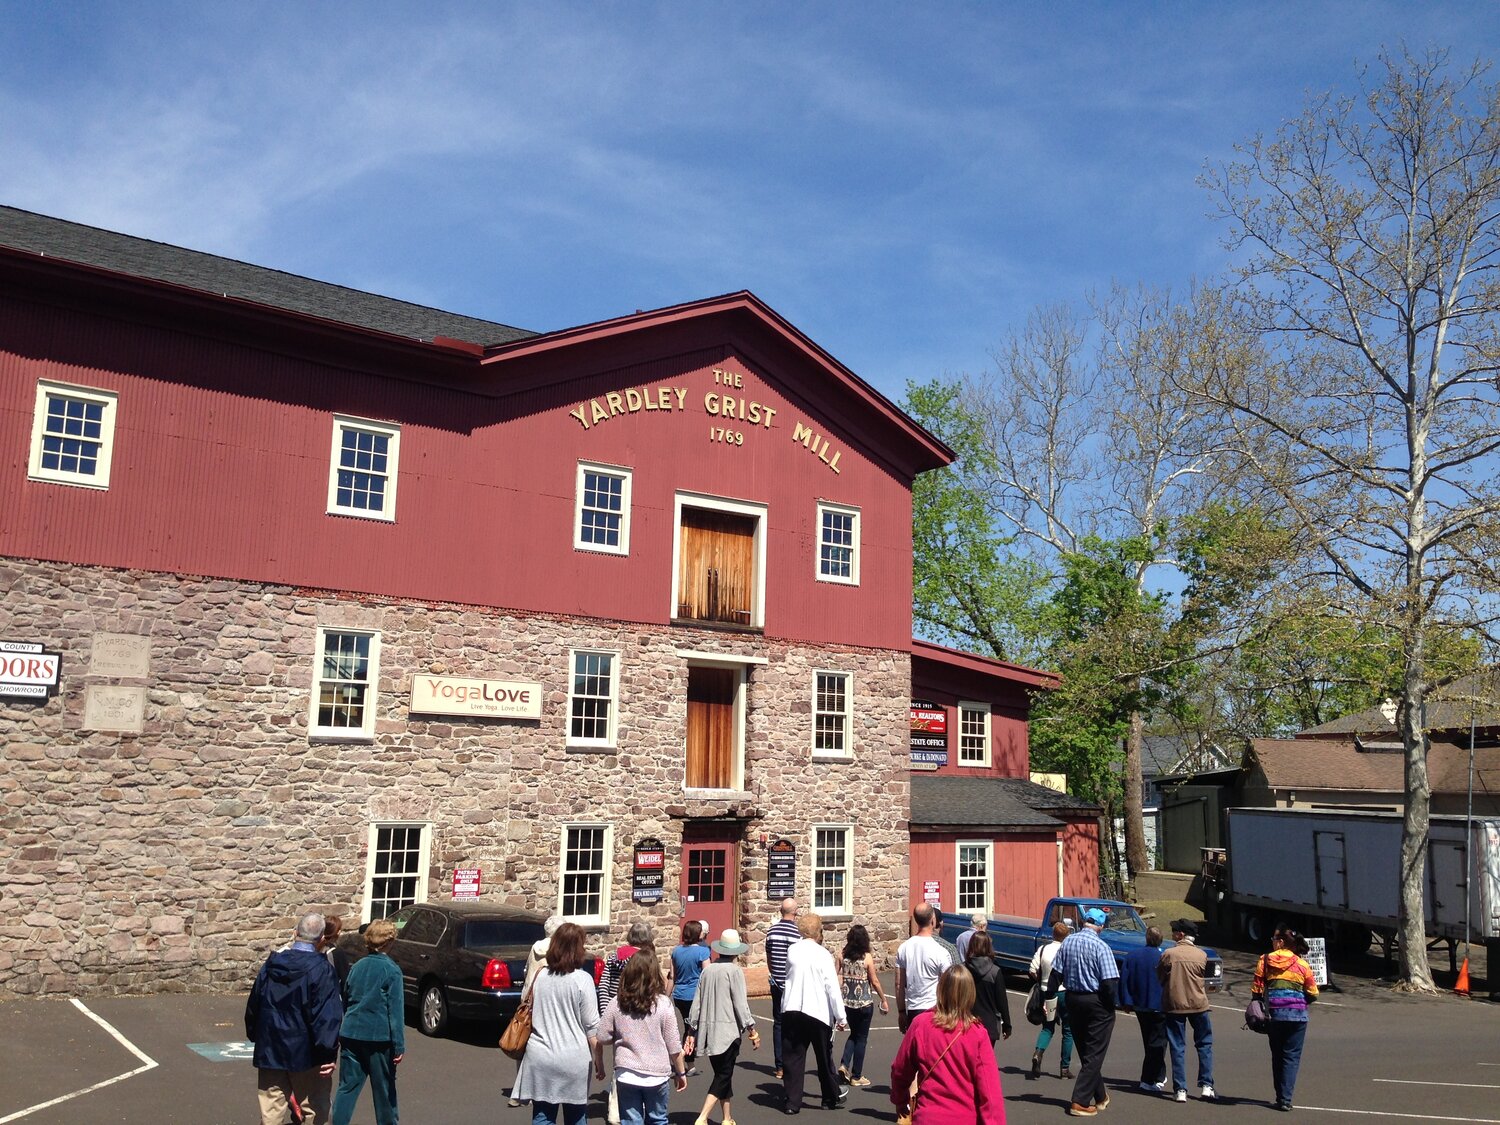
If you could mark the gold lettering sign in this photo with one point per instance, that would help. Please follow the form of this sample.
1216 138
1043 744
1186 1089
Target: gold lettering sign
817 444
632 401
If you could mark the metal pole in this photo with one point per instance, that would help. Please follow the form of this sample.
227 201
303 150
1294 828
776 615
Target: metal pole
1469 836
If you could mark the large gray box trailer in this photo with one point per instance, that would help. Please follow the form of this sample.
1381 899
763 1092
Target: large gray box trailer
1339 874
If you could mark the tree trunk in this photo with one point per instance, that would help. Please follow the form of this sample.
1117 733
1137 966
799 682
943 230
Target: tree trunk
1416 973
1136 859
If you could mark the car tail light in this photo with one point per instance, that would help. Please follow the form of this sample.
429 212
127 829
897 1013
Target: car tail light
496 974
598 970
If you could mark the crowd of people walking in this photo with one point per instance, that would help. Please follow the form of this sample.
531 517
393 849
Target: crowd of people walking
310 1011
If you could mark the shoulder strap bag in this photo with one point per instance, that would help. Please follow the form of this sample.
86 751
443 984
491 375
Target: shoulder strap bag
905 1116
516 1034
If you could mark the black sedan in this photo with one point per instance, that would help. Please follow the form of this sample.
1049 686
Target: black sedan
464 960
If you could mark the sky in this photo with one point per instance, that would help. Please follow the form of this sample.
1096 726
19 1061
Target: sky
902 182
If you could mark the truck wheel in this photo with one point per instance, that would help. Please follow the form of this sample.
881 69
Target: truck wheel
432 1011
1257 928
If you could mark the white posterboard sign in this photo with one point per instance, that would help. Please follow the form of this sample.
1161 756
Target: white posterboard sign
1317 959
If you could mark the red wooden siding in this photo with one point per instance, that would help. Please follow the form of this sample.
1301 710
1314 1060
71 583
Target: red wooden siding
1081 857
222 455
1023 879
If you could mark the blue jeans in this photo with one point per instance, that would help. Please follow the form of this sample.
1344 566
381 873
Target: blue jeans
1203 1039
643 1105
859 1037
1286 1055
359 1061
545 1113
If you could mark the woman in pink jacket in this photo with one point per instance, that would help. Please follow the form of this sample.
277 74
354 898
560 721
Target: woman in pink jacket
948 1052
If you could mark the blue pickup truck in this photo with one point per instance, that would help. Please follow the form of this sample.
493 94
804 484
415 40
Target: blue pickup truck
1016 939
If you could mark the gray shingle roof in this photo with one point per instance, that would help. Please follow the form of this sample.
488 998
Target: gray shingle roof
208 273
995 802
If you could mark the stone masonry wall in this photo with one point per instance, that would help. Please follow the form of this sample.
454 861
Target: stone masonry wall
175 858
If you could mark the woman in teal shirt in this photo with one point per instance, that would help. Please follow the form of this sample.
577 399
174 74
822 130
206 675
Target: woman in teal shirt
372 1039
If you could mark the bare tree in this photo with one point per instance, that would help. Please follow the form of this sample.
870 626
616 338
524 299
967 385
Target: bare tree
1093 432
1368 232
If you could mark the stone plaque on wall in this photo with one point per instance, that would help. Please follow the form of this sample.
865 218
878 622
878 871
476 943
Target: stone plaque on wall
112 707
121 655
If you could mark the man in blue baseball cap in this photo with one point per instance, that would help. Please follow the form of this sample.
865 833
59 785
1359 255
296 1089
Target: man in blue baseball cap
1086 968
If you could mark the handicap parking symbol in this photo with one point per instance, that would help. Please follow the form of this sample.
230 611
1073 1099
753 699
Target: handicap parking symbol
224 1052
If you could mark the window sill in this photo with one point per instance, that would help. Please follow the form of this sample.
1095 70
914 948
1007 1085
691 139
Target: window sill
717 626
333 737
832 915
834 758
355 514
716 794
591 750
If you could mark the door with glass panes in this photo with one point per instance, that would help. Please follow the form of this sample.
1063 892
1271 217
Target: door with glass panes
711 875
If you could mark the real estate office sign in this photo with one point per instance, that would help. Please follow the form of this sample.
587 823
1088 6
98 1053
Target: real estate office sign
483 699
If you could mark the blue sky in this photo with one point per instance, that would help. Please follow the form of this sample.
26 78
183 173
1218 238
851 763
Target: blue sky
903 182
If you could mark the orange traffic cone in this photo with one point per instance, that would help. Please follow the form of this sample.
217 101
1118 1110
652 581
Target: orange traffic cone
1462 985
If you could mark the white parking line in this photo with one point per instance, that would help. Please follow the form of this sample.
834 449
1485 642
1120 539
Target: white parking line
1388 1113
147 1062
1419 1082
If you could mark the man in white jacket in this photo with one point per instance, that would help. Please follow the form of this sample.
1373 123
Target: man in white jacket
812 1005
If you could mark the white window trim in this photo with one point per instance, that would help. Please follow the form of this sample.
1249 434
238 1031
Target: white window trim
602 918
839 580
719 504
847 909
737 777
989 740
108 399
608 740
625 476
366 732
425 862
848 752
390 430
989 876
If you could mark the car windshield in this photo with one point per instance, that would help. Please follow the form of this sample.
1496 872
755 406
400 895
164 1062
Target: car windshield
1124 922
492 933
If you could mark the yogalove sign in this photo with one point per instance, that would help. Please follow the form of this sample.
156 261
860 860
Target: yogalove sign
492 699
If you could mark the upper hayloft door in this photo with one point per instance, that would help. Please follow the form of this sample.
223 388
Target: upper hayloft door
719 557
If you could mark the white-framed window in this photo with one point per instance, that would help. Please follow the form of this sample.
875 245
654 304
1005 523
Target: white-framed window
974 861
602 517
833 868
593 697
72 435
838 543
718 560
344 683
396 867
583 890
833 709
974 734
362 469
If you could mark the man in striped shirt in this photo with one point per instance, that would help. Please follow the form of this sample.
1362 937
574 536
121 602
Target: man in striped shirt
779 939
1086 967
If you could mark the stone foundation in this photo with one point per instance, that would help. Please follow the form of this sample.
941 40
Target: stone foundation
173 859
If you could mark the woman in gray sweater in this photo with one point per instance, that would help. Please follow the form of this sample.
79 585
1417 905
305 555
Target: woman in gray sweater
719 1016
554 1074
642 1026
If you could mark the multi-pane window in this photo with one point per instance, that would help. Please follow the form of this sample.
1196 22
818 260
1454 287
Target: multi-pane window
603 517
584 896
362 477
973 734
591 699
72 435
838 543
344 688
831 713
831 869
974 877
395 871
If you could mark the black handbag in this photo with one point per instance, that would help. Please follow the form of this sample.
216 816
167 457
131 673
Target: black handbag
1036 1007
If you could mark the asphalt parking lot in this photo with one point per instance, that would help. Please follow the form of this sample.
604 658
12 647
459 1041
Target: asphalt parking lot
1371 1055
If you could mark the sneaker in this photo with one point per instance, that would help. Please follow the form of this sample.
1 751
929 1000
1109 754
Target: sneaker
692 1072
1154 1087
1179 1095
1206 1093
1102 1104
1065 1072
844 1074
861 1081
778 1072
1076 1110
843 1093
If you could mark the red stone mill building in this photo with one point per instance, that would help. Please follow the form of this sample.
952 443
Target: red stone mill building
312 596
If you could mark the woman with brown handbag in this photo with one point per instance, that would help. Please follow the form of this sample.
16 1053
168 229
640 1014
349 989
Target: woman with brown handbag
948 1053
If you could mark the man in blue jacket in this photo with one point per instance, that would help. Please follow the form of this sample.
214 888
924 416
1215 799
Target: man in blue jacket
293 1017
1140 991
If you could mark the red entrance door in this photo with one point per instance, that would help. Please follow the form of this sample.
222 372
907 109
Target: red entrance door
711 876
